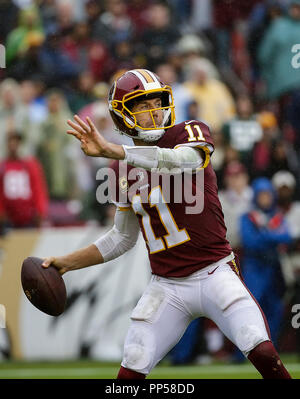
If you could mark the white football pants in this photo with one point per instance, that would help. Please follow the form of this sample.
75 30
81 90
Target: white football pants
168 306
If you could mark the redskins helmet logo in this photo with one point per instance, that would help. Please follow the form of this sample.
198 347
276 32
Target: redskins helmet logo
123 183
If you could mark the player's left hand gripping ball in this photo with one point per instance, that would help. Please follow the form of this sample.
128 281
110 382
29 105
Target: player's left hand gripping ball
44 287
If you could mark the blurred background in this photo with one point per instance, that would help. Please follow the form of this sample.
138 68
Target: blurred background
233 65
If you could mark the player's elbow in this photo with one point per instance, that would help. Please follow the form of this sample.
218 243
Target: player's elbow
128 241
123 244
115 243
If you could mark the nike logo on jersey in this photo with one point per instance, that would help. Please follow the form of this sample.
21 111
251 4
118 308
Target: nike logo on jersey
188 122
213 270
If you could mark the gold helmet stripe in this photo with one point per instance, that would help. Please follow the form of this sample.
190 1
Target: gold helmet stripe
146 75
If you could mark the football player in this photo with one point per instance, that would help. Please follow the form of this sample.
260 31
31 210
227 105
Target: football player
194 271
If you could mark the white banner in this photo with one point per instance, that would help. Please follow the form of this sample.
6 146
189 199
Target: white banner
100 300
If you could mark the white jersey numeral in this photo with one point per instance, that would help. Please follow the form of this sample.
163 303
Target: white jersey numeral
17 185
192 136
174 236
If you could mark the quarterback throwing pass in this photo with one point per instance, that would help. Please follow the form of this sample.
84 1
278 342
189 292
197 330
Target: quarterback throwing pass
194 270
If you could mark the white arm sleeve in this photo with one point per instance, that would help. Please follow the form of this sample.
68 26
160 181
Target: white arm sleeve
121 237
163 158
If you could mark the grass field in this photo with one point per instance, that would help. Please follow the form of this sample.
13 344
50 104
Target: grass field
99 370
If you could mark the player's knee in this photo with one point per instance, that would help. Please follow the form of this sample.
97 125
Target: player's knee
136 357
139 351
249 336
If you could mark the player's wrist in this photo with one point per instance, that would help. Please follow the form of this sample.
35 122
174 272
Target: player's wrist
80 259
64 263
113 151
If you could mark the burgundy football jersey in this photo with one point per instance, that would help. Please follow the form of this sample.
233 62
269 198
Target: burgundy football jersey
181 219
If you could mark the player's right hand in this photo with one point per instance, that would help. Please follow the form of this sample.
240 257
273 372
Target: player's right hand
56 263
92 141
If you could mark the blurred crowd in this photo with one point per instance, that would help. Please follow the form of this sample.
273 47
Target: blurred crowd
232 64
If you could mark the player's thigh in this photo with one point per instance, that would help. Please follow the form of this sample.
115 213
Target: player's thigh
229 304
157 324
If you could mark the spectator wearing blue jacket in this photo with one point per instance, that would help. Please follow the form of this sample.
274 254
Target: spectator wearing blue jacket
263 232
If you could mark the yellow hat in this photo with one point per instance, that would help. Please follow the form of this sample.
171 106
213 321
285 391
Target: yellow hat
34 38
267 120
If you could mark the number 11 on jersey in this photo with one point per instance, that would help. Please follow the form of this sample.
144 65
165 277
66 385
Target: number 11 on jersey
174 236
191 133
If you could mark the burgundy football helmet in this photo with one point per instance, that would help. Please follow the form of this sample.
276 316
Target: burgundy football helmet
137 85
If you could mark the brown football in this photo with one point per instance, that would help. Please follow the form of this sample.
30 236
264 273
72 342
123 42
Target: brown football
44 287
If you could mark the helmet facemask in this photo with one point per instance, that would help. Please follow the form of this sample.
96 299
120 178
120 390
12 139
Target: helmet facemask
125 107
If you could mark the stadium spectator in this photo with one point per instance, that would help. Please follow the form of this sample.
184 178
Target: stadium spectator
65 16
8 13
48 13
190 48
226 14
93 11
200 16
243 131
30 64
23 189
216 104
263 229
276 53
123 56
138 10
181 11
12 112
76 44
182 98
86 52
159 36
281 75
285 185
262 149
114 24
32 96
55 149
236 199
57 67
283 157
33 101
260 18
27 32
241 71
82 94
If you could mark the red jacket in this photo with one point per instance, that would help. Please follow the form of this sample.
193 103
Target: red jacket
23 191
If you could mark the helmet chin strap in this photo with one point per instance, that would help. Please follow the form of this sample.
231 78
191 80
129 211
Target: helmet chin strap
145 135
151 135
